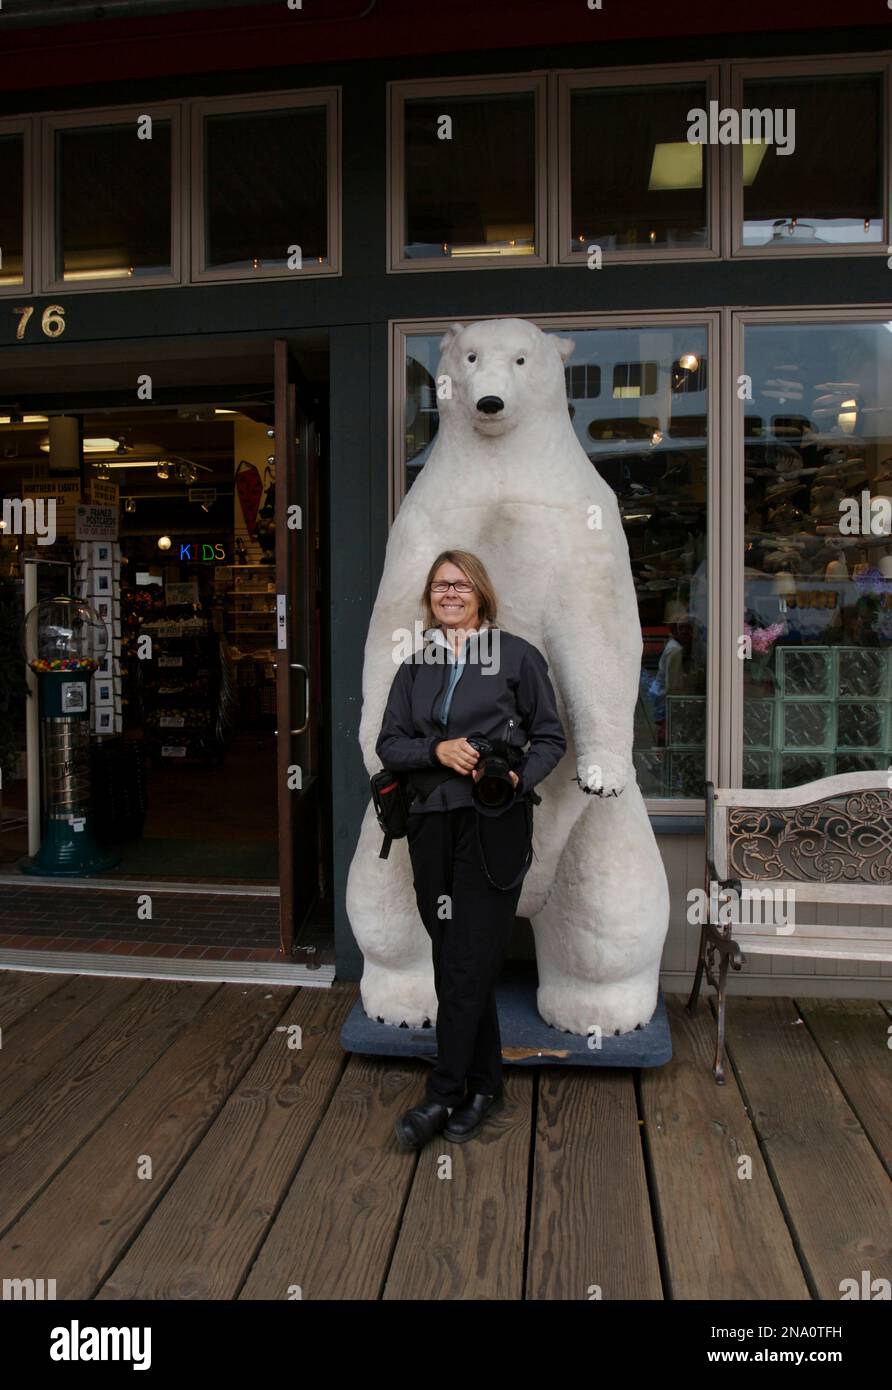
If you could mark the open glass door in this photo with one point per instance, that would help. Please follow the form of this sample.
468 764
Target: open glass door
297 665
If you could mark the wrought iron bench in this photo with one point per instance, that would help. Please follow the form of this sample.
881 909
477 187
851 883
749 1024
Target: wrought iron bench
828 841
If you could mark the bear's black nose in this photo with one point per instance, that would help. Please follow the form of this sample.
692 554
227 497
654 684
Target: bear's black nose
490 405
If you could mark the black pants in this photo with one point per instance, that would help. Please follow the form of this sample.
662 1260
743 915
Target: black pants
469 923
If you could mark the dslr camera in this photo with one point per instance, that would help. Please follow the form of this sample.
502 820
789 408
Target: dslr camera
494 788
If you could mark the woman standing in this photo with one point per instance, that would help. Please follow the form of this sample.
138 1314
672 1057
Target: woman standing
468 864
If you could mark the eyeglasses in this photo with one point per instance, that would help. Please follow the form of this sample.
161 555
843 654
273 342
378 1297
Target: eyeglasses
440 586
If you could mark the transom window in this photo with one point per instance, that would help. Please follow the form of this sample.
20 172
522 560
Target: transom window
12 208
113 192
820 181
636 183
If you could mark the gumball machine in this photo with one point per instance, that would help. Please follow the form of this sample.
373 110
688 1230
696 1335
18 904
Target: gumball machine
65 641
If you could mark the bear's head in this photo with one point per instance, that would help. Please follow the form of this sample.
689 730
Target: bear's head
501 373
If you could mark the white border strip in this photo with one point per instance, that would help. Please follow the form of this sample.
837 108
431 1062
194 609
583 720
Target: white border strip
236 972
130 885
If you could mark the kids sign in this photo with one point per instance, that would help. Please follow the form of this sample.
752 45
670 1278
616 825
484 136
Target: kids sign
207 551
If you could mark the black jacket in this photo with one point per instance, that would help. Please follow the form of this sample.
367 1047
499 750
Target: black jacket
484 701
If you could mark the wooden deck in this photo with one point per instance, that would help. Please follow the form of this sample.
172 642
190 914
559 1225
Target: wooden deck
162 1140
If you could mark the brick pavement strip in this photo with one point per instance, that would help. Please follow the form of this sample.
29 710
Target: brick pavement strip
40 918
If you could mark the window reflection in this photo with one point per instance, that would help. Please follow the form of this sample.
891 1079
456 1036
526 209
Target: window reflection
471 183
829 187
650 446
818 552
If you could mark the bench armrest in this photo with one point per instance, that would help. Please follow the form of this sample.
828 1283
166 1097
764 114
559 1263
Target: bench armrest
713 876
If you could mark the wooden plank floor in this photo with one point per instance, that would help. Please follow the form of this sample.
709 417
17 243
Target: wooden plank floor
167 1140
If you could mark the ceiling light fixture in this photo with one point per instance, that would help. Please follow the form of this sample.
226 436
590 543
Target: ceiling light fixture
94 445
163 470
164 542
676 165
111 272
848 416
753 152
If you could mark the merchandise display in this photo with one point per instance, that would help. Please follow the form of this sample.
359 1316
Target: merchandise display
65 642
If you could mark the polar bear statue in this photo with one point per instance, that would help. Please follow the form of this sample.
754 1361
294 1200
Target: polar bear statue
516 488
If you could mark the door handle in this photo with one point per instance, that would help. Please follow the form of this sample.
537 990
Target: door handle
298 666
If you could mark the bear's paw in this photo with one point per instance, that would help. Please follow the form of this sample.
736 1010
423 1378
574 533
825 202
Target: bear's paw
603 775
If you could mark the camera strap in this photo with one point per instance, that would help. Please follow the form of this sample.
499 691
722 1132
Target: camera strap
528 852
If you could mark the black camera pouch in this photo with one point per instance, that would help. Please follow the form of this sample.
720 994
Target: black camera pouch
391 801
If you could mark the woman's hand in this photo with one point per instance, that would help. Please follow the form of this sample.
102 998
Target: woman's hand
458 754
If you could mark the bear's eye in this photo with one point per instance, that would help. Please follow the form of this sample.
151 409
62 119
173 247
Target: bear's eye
520 361
472 357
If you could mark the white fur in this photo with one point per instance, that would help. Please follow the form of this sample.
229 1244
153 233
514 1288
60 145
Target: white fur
518 490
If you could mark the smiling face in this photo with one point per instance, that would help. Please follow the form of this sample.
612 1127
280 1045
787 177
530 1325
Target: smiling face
503 372
452 609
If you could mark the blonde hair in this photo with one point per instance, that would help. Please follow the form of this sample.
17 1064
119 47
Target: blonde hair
475 570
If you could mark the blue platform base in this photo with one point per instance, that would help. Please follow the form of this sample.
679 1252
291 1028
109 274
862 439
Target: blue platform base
527 1040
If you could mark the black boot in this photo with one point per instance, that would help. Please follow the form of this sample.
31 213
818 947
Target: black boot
468 1119
417 1126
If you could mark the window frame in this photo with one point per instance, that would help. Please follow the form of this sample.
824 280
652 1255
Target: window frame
535 83
713 321
21 125
49 282
843 66
328 98
586 79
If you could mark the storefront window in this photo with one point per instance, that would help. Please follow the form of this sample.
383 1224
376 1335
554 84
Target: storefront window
818 552
113 202
265 189
470 176
821 180
636 181
638 401
12 209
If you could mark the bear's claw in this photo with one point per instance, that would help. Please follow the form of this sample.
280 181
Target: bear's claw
598 791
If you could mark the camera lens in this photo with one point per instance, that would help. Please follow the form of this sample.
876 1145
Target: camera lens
491 791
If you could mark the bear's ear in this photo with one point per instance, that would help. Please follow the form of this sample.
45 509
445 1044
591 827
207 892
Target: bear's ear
450 335
564 346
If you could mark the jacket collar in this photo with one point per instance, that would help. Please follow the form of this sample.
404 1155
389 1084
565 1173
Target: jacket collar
442 641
